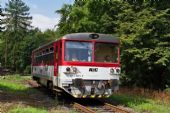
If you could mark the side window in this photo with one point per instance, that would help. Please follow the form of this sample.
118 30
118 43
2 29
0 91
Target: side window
45 56
51 49
47 51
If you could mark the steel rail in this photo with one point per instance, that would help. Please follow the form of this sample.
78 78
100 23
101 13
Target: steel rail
83 108
115 108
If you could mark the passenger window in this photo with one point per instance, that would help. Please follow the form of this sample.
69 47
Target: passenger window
47 50
51 49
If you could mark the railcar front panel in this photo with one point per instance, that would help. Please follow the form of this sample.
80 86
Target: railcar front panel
86 81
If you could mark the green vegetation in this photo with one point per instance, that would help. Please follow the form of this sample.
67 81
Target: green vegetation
141 104
12 87
15 77
20 109
167 90
13 84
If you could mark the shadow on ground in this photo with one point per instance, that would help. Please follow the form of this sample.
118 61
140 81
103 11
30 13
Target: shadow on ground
38 97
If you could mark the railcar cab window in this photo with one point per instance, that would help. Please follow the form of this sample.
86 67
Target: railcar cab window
78 51
106 52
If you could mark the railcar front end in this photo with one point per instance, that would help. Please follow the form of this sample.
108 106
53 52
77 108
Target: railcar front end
90 67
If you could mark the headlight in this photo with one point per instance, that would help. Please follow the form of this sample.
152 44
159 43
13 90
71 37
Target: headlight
112 71
71 70
67 69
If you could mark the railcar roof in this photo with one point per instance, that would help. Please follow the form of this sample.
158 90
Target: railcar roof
86 36
43 46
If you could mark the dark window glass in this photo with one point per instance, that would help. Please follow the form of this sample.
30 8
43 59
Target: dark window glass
106 52
47 50
51 49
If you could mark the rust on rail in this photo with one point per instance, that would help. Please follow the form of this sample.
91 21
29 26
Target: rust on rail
83 108
115 108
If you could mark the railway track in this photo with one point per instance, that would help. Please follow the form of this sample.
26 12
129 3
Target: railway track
106 108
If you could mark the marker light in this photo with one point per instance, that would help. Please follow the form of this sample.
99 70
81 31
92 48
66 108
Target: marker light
118 71
94 36
74 69
84 96
99 96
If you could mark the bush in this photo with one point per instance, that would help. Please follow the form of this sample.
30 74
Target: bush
27 70
167 90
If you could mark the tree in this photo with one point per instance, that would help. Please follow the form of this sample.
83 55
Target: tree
1 14
64 23
17 22
33 40
17 16
145 44
89 16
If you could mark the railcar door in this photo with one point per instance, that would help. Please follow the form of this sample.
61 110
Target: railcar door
57 60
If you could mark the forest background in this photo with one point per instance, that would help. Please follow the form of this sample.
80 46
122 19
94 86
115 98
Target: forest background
143 27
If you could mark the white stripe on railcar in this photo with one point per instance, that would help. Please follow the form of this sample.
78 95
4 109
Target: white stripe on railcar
43 71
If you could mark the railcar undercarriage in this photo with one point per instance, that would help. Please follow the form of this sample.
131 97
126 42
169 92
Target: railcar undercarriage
92 88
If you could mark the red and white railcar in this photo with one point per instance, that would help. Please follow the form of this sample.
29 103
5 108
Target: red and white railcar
82 64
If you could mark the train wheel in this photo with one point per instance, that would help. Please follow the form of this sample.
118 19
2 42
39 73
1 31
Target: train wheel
50 88
36 79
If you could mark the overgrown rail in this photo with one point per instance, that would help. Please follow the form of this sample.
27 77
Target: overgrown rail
107 108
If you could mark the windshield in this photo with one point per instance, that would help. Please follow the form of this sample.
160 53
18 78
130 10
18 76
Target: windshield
106 52
78 51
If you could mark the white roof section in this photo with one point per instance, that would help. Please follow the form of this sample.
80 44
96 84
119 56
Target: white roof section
86 36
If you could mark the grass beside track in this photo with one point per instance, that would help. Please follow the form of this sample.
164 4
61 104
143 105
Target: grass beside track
141 104
16 96
19 109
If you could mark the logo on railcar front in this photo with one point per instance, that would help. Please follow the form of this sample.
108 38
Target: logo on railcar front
93 69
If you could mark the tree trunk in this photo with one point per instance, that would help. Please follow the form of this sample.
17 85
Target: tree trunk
6 52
